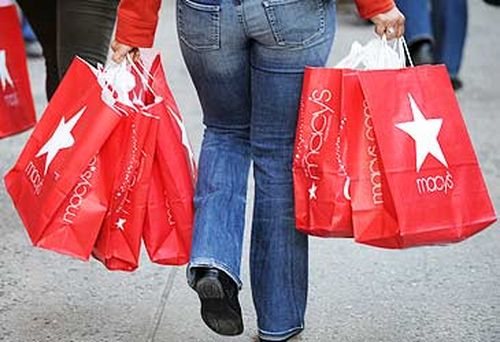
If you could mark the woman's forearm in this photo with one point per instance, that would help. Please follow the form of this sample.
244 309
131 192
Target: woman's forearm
137 21
369 8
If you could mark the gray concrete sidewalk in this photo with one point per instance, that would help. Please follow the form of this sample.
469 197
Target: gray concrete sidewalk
357 293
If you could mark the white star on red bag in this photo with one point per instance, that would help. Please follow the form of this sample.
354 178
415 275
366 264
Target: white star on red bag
60 139
312 191
4 72
120 224
425 133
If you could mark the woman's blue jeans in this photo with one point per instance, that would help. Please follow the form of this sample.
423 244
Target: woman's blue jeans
442 21
246 59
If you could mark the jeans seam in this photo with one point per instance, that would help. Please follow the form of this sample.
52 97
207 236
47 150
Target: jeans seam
275 71
298 47
214 33
202 7
293 279
241 14
282 334
276 29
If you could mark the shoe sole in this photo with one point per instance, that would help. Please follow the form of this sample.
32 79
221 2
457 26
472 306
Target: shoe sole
216 311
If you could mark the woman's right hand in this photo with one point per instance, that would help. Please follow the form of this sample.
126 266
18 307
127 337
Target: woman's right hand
391 23
121 50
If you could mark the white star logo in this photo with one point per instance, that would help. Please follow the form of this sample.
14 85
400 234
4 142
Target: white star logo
312 191
425 133
4 72
60 139
120 224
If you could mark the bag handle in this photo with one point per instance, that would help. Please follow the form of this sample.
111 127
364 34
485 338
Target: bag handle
117 82
402 41
377 54
401 47
144 79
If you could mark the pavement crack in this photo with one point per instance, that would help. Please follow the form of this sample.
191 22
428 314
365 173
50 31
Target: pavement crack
161 307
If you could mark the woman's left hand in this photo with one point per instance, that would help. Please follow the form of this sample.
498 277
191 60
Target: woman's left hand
120 51
391 23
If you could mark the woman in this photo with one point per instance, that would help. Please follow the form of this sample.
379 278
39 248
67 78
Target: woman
67 28
436 32
246 59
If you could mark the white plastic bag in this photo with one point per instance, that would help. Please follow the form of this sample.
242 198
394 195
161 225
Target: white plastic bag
376 54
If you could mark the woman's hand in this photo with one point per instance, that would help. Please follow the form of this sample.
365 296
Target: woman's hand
390 23
120 51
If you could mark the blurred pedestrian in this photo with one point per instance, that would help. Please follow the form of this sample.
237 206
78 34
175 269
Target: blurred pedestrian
33 48
247 59
436 32
66 28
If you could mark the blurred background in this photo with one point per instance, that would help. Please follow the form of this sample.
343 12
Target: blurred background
357 293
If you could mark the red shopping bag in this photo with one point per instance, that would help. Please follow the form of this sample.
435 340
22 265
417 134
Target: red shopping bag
17 112
322 205
169 222
58 184
415 177
119 241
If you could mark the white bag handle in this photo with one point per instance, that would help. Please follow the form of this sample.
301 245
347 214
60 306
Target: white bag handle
402 41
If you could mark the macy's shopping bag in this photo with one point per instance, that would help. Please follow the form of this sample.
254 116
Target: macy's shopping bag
322 204
17 111
58 184
119 241
169 223
415 178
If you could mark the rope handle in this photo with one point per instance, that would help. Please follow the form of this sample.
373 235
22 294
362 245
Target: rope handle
407 51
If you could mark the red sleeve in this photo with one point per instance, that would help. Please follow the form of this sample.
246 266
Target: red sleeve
137 21
370 8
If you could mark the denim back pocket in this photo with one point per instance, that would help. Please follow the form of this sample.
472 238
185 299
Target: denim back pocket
296 22
198 25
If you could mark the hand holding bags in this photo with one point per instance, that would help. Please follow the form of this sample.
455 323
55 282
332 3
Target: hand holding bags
17 111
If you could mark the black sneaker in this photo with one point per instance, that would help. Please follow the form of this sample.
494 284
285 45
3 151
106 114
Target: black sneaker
220 308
